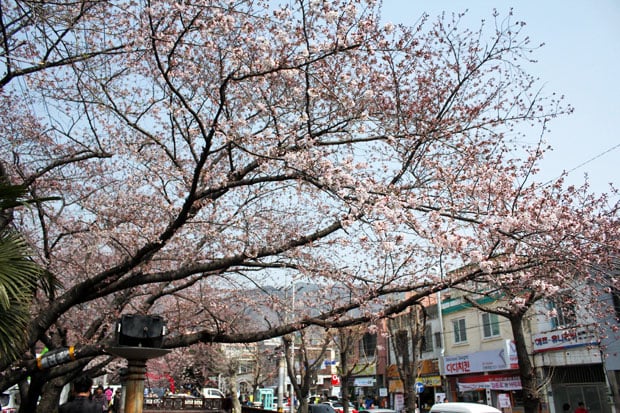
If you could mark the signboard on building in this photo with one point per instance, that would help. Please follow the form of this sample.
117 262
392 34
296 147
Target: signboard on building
490 382
566 338
431 381
482 361
364 381
399 402
503 400
396 386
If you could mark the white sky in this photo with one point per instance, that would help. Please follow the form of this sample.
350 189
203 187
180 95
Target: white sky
580 59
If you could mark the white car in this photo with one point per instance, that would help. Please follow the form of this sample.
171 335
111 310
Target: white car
462 407
339 406
212 393
9 400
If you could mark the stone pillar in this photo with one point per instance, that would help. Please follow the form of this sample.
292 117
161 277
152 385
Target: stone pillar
134 386
133 389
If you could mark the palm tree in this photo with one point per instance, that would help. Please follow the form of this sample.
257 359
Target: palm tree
18 279
19 276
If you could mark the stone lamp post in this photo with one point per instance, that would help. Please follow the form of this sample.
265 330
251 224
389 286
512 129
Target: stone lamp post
139 339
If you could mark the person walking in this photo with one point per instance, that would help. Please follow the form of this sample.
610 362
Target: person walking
115 407
81 402
100 398
581 408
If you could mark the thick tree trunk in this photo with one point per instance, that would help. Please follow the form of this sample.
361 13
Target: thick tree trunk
406 371
531 395
233 389
29 403
345 398
50 397
409 384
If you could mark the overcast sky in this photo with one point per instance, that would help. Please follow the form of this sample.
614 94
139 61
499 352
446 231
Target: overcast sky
580 59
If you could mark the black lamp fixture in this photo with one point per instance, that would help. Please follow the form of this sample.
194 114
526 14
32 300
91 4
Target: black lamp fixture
135 330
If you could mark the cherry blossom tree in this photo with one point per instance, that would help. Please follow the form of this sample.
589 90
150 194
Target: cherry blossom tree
205 155
514 308
407 331
305 354
516 299
351 361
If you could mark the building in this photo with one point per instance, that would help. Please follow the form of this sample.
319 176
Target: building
576 354
479 362
425 348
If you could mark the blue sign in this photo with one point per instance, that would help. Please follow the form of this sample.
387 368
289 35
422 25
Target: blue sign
419 387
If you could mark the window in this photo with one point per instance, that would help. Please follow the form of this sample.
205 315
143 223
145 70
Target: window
368 345
490 325
460 334
438 339
427 340
615 296
562 313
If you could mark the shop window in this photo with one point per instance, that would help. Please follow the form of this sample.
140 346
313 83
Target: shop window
460 332
490 325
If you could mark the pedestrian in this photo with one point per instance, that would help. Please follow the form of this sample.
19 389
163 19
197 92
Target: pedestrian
116 402
566 408
100 398
581 408
108 394
81 402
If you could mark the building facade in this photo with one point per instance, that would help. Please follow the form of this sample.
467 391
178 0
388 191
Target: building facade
480 361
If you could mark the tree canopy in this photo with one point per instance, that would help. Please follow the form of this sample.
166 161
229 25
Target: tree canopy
207 155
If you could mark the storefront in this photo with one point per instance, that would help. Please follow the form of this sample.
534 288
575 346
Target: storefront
428 376
573 366
489 377
365 388
490 389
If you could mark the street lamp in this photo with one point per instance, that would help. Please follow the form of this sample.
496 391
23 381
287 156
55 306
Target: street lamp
139 338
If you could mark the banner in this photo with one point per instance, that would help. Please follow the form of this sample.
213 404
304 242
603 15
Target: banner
490 382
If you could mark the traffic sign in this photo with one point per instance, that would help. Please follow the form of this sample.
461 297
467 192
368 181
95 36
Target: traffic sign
419 387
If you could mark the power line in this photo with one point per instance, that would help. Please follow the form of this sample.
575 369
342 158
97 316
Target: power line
588 161
594 158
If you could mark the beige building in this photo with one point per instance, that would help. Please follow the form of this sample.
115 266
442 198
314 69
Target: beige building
479 363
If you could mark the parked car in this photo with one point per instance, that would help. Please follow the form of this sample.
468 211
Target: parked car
339 406
463 407
9 400
212 393
152 399
314 398
380 410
